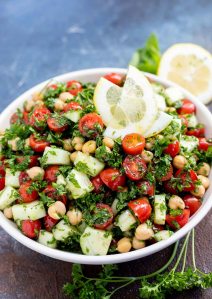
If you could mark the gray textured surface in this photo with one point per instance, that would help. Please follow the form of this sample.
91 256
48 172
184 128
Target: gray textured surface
40 39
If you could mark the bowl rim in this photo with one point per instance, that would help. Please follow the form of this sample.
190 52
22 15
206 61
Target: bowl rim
13 231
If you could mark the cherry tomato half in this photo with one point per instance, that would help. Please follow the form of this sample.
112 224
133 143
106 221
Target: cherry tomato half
178 221
188 179
27 194
23 177
39 117
134 167
170 187
97 183
52 86
49 222
51 192
192 203
113 178
37 145
55 125
90 125
74 87
197 132
141 208
115 78
146 188
172 149
51 173
203 144
72 106
133 144
167 176
108 214
187 107
31 228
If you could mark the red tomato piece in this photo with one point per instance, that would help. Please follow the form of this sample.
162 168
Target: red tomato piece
97 183
31 228
188 179
141 208
74 87
14 118
26 117
90 125
55 126
178 221
26 194
2 183
115 78
192 203
23 177
167 176
33 160
172 149
170 188
37 145
51 192
51 173
146 188
52 86
72 106
99 223
157 227
203 144
197 132
134 167
133 144
187 107
49 222
2 169
39 117
113 178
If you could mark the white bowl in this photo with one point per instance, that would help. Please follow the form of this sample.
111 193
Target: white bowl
92 75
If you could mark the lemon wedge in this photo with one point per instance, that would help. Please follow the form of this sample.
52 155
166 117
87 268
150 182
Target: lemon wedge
161 122
190 66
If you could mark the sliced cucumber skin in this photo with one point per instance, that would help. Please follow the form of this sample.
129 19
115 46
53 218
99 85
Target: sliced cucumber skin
192 121
47 239
80 186
32 211
188 143
125 221
73 115
163 235
7 196
63 230
58 156
93 165
95 241
61 180
160 209
12 179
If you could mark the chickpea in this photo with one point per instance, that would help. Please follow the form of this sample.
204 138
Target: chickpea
205 181
204 169
179 162
108 142
74 216
67 145
13 143
38 104
27 143
65 96
137 244
199 191
37 97
57 210
8 213
124 245
147 156
89 147
73 156
36 173
77 143
170 109
143 232
59 105
149 145
176 202
29 105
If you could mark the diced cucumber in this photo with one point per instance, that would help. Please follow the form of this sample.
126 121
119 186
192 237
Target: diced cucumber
192 120
160 209
114 206
12 179
95 241
173 94
161 103
78 183
7 196
88 164
188 143
47 239
73 115
125 221
163 235
33 211
58 156
61 180
63 230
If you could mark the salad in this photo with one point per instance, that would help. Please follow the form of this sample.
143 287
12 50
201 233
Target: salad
103 168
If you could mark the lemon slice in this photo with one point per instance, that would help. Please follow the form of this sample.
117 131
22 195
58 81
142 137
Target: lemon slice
116 133
190 66
161 122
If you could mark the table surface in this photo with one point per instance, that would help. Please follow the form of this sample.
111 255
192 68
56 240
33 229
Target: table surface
46 38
